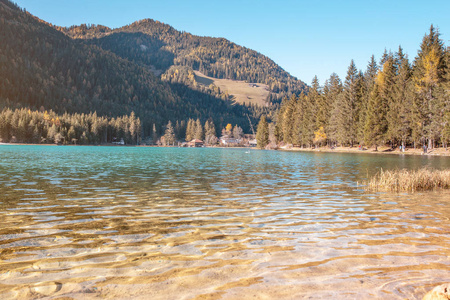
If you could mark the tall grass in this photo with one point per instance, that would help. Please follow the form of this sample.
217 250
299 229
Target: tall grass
409 181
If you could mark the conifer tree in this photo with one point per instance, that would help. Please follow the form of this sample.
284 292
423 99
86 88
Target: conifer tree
316 111
308 121
385 86
332 90
198 134
376 124
287 118
369 81
350 106
190 130
399 119
169 135
297 122
445 98
428 72
380 101
361 108
324 106
262 133
279 133
154 134
322 111
384 57
210 133
138 130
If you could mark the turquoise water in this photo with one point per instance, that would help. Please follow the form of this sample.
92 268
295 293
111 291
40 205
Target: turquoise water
172 223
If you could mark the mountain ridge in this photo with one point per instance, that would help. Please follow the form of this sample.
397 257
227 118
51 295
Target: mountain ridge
216 57
112 72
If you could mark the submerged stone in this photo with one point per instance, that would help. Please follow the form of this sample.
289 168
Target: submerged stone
441 292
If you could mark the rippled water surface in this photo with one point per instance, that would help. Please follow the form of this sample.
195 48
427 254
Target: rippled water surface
170 223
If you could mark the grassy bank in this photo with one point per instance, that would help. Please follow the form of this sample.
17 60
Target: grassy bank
409 181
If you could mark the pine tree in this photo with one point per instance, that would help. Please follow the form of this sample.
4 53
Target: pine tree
169 135
385 84
198 130
296 124
361 109
210 133
317 110
380 101
262 133
279 133
154 134
190 130
322 112
138 126
428 73
332 91
384 56
287 120
376 124
308 124
402 98
347 127
445 96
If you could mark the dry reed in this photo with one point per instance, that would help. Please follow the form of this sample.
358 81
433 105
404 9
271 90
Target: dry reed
409 181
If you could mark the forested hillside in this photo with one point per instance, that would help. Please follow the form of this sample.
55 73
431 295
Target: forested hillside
160 46
394 101
44 69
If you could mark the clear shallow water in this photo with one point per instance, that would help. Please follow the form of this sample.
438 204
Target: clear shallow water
170 223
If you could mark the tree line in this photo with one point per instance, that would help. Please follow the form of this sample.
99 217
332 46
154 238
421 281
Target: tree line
26 126
48 127
194 129
393 102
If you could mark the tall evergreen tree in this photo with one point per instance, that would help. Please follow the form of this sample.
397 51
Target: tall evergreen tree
349 104
308 121
385 84
154 134
361 108
262 133
367 86
322 108
198 130
399 115
210 133
169 134
190 130
445 98
286 119
332 91
428 72
376 123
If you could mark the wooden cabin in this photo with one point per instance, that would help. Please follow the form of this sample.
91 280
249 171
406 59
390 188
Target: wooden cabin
195 143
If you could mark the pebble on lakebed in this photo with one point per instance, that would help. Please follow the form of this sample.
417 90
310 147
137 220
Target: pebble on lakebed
441 292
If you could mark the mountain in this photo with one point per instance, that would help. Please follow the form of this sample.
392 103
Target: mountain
160 46
146 67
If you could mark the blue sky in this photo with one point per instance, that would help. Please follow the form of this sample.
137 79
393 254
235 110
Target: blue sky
306 38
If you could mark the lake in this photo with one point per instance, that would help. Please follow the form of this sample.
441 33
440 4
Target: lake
176 223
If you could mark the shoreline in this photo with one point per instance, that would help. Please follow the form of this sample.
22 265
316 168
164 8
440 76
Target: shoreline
114 145
381 150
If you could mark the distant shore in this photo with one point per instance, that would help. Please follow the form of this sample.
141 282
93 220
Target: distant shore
115 145
381 150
